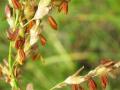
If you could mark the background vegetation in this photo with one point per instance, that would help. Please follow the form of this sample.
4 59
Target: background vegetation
89 33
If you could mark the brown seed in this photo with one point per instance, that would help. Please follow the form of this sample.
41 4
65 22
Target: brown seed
35 56
16 4
104 61
42 39
12 35
30 25
107 62
7 11
19 43
76 87
92 85
52 22
63 7
15 33
22 56
104 81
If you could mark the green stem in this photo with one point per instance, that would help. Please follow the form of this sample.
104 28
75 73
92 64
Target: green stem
9 57
17 17
15 85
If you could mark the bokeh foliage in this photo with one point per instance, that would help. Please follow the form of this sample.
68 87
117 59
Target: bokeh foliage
87 34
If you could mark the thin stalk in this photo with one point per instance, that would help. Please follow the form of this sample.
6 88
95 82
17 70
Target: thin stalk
14 82
17 17
27 22
9 57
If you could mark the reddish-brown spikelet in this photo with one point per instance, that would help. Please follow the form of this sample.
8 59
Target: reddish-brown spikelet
42 39
30 25
12 35
107 62
22 56
52 22
104 81
7 11
63 7
16 4
104 61
76 87
19 43
36 56
92 85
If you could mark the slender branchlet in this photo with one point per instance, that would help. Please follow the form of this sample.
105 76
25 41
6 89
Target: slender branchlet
104 70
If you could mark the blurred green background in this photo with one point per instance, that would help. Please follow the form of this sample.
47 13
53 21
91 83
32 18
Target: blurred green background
89 33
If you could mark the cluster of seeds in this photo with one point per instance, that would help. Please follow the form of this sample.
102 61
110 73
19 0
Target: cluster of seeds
103 71
24 18
92 84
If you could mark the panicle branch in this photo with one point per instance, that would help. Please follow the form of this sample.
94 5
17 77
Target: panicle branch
103 70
